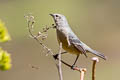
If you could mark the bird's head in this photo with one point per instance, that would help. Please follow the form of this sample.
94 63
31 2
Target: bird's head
59 19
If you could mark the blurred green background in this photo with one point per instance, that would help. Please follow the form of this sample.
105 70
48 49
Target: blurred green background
96 22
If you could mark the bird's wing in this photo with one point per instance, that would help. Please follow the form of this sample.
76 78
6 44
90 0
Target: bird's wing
77 44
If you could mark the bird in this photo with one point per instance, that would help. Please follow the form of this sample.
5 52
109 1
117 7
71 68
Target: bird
70 42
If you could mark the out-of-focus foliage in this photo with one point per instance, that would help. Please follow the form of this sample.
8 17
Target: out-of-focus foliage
4 36
5 60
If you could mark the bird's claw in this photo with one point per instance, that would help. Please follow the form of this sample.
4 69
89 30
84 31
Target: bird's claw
55 56
73 67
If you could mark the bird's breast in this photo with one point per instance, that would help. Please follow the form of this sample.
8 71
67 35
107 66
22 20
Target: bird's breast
62 37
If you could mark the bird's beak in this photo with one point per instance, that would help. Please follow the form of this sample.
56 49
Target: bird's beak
51 15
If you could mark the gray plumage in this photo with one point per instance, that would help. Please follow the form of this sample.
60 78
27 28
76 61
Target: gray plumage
70 42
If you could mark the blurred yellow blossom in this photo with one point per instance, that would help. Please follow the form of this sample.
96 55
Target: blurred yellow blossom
5 60
4 36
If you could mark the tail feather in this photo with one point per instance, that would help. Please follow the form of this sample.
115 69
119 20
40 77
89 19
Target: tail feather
87 48
98 54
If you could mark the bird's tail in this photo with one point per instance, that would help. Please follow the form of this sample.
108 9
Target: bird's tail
98 54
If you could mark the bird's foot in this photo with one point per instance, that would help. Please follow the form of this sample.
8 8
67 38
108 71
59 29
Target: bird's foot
73 67
55 56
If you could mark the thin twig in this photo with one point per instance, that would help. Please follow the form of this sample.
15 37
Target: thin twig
30 20
59 67
81 70
95 60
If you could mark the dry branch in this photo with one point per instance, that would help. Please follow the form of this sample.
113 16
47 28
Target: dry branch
95 60
59 67
31 21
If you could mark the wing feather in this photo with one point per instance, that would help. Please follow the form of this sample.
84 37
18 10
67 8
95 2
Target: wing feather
77 44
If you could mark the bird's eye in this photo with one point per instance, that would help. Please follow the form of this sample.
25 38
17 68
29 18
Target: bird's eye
56 15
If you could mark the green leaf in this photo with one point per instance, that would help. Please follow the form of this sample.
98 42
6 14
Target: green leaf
4 36
5 60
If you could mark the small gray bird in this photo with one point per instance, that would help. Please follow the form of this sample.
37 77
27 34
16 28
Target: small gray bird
70 42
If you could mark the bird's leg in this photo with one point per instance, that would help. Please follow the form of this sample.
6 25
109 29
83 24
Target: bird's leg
72 67
56 55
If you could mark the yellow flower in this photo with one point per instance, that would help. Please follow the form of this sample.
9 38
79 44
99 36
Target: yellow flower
5 60
4 36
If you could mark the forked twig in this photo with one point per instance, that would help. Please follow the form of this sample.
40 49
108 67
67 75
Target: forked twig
81 70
